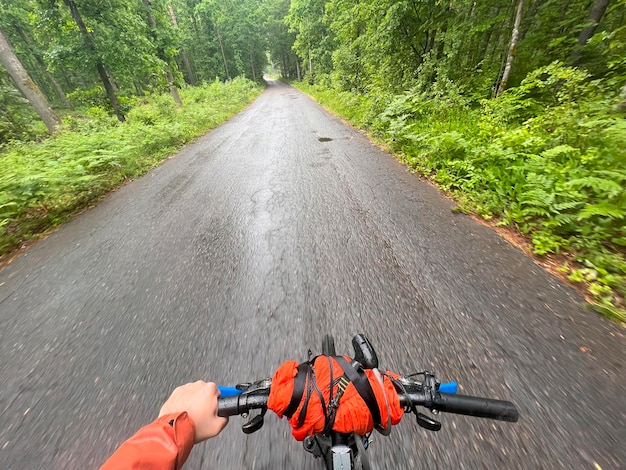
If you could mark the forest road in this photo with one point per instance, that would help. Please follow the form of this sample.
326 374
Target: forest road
247 246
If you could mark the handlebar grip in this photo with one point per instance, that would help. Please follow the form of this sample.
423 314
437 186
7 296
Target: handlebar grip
242 403
448 387
229 406
475 406
229 391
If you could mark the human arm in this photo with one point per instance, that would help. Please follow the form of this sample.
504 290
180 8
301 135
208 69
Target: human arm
189 416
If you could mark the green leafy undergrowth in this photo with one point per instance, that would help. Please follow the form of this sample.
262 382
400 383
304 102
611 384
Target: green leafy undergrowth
547 158
42 184
359 110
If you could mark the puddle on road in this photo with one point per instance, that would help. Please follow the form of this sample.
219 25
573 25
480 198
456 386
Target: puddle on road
325 139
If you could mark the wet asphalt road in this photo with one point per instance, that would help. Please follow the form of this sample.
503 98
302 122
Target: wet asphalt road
241 252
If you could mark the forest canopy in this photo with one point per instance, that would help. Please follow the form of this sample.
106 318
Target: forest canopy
94 53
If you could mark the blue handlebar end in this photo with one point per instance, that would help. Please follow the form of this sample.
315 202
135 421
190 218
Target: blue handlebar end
229 391
449 387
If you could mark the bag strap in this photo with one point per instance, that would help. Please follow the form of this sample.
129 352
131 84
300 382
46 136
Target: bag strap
311 387
299 383
362 385
341 383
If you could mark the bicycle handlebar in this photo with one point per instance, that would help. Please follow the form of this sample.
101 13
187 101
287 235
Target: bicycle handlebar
241 404
500 410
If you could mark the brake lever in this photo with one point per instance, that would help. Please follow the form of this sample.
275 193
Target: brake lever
427 422
255 423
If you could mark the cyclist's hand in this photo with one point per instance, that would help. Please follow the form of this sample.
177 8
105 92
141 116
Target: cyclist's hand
199 400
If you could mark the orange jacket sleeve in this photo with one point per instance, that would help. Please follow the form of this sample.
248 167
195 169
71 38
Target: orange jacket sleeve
157 446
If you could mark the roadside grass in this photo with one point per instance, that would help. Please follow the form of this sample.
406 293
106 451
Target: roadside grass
43 184
547 160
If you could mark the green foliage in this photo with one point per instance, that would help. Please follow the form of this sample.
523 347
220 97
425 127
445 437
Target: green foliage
360 110
94 96
231 35
279 39
16 117
41 184
313 43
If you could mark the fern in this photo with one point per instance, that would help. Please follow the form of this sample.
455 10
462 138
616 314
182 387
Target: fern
600 185
603 209
563 206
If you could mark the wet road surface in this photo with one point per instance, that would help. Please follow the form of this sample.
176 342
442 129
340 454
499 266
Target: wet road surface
241 252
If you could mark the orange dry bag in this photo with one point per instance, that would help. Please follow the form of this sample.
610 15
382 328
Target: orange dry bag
355 402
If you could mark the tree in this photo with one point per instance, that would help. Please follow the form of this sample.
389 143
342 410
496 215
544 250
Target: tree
313 42
16 21
595 15
183 53
236 28
161 51
87 37
279 39
103 45
512 49
27 87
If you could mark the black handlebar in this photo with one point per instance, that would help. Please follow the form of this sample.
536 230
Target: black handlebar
449 403
242 404
500 410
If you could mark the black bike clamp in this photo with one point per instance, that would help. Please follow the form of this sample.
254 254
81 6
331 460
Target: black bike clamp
256 422
429 387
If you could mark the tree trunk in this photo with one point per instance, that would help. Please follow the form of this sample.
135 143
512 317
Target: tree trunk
416 53
108 86
219 38
298 71
622 105
252 65
512 49
595 15
26 86
57 87
470 14
173 88
190 74
168 69
530 18
481 55
488 55
186 62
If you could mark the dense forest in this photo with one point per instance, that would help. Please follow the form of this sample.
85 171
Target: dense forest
104 53
514 107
